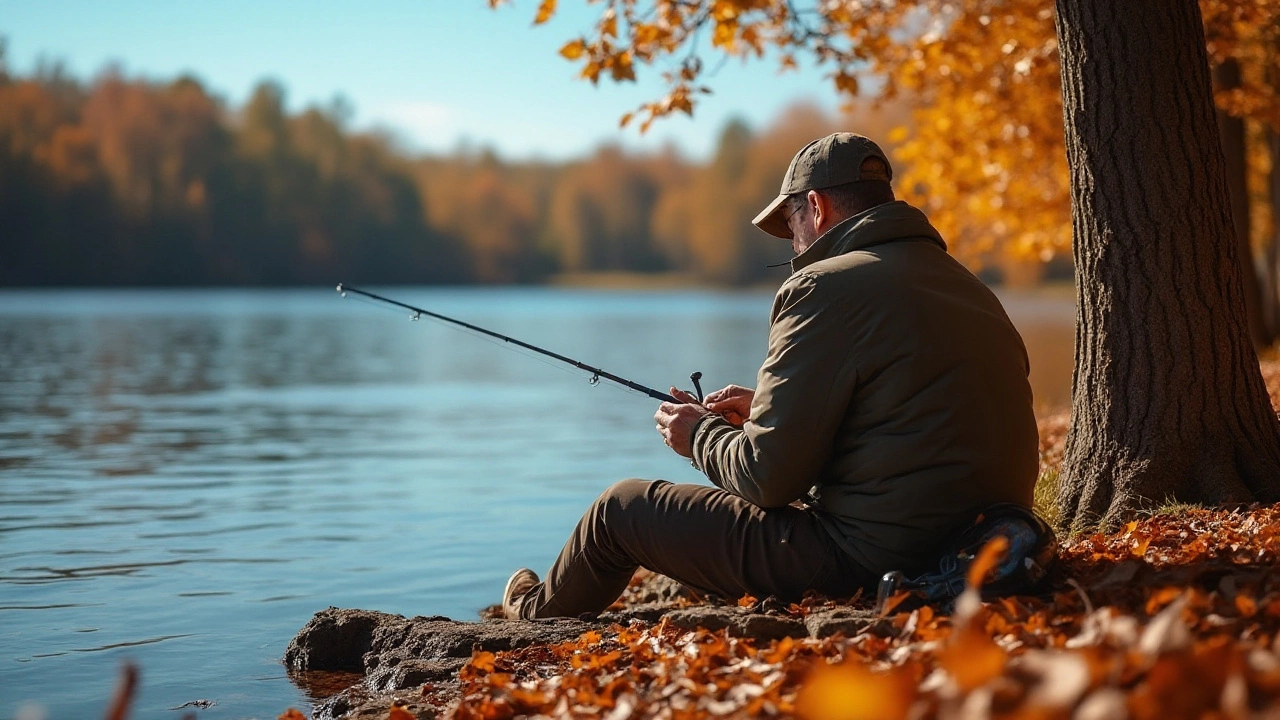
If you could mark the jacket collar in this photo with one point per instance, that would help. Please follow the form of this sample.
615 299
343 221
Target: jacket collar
884 223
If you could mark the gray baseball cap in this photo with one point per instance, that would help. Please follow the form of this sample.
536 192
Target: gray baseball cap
826 162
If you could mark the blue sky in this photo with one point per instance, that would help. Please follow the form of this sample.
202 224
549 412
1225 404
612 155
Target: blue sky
440 72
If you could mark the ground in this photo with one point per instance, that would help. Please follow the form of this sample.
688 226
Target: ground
1177 615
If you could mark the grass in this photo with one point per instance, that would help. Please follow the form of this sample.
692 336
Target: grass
1044 498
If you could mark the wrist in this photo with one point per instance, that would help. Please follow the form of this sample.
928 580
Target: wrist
693 435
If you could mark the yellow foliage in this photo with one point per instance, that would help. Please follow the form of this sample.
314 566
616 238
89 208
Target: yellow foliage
545 10
984 154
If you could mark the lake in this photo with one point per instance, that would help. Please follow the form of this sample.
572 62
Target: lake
186 476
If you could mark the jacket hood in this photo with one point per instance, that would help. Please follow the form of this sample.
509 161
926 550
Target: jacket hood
884 223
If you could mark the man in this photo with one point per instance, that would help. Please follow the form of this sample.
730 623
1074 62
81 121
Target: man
891 409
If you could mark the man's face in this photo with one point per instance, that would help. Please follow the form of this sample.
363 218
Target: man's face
798 221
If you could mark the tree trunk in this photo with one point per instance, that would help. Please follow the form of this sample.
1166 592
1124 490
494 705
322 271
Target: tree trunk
1226 77
1167 399
1270 277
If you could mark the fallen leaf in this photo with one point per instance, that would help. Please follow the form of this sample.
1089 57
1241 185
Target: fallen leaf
988 557
972 659
483 661
851 691
893 601
1166 632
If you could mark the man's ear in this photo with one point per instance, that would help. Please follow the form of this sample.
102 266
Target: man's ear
820 206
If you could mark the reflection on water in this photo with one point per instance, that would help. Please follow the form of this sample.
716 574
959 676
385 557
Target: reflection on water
185 477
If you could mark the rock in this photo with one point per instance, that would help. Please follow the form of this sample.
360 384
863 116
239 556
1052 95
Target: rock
738 622
334 639
407 653
648 613
849 621
655 588
417 660
396 656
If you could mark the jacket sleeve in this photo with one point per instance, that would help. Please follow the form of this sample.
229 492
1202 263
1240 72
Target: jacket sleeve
802 395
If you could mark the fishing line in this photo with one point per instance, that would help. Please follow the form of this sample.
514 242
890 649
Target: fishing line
597 374
415 316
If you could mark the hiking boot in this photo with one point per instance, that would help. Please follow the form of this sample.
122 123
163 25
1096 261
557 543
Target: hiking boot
521 582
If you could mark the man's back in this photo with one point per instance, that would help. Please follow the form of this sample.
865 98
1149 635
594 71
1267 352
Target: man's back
893 397
897 371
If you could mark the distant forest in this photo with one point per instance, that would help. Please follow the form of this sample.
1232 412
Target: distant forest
135 182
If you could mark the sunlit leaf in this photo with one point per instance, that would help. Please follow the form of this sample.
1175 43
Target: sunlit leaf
546 9
850 691
483 661
1246 606
988 558
892 602
573 49
972 659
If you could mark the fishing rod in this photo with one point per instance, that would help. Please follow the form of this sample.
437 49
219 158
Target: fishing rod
597 374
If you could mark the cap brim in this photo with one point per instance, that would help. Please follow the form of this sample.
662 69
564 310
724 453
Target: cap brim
772 219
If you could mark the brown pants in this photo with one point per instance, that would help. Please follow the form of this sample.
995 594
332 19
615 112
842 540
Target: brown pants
704 537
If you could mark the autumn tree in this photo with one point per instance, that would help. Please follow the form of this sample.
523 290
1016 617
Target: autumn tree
128 181
1169 402
495 209
984 154
601 212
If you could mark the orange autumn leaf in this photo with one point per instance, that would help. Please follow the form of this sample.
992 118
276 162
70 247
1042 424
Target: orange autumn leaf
988 558
747 601
483 661
1140 546
1246 606
972 658
398 712
846 83
851 691
780 651
292 714
1273 607
893 601
545 10
1161 597
573 49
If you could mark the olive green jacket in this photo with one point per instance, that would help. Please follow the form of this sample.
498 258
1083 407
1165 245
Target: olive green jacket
894 395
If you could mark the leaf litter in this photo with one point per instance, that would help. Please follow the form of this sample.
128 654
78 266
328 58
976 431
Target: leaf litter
1174 616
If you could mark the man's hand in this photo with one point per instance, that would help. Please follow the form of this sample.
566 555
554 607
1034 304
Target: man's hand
733 402
676 421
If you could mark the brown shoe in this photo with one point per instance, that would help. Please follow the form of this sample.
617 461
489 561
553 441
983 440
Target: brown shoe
521 582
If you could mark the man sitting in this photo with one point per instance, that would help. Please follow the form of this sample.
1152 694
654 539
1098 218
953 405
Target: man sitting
892 407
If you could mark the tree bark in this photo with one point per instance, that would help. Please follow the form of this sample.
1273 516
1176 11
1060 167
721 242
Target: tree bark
1234 151
1270 277
1167 399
